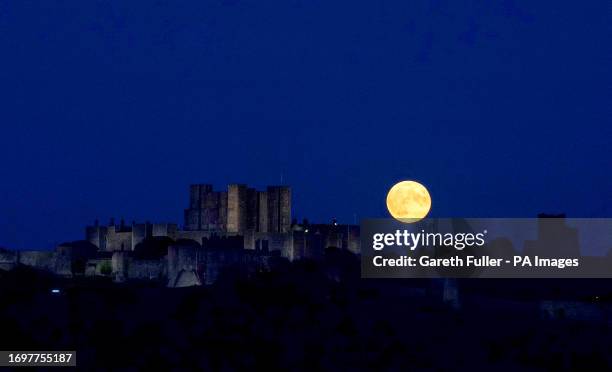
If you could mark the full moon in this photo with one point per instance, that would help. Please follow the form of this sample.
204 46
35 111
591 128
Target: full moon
408 201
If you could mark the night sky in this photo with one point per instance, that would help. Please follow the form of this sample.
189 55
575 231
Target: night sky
112 108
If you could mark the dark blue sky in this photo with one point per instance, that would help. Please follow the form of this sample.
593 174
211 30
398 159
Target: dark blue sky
112 108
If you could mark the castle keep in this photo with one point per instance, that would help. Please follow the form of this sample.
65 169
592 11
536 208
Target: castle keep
239 209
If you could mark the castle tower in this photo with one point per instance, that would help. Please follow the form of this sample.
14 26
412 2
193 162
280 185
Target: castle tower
279 209
210 211
207 209
193 214
96 235
236 208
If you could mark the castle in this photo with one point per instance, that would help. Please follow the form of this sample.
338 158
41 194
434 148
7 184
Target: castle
242 228
261 218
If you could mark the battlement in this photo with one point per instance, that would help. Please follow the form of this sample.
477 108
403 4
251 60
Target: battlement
125 237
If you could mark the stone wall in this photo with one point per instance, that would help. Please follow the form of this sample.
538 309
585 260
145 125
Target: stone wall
118 239
119 263
196 236
58 262
146 269
165 229
139 233
183 265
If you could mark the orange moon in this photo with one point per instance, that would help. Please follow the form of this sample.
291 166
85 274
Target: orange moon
408 201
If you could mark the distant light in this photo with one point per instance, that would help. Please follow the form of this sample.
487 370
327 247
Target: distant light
335 223
306 230
55 290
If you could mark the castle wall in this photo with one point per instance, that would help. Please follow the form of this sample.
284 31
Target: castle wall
39 259
118 240
186 278
276 242
96 235
183 264
293 245
218 259
250 236
146 269
58 262
333 238
165 229
322 236
298 244
314 246
139 233
196 236
119 263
